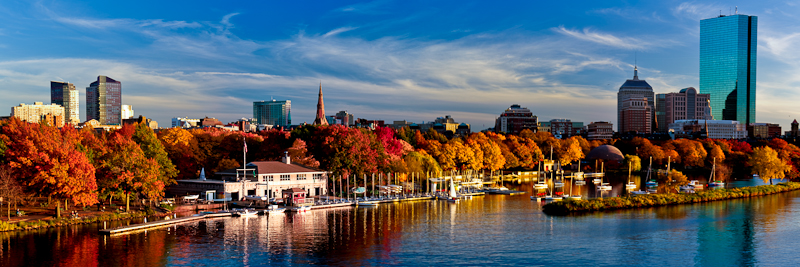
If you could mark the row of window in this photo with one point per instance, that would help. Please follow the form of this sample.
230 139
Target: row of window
287 177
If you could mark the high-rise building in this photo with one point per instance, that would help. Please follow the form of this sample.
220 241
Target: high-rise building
65 95
728 66
104 101
127 112
515 119
320 119
636 114
687 104
52 114
276 113
634 87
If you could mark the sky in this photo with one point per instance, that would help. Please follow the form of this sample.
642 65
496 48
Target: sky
389 60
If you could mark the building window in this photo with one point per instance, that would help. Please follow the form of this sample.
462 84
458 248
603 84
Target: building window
317 176
269 178
285 177
301 177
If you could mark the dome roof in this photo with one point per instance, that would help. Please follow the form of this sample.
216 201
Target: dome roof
606 152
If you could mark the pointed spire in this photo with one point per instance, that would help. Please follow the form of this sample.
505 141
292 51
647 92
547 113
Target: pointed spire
320 120
635 73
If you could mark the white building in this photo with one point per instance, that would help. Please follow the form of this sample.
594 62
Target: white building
262 178
127 112
185 122
53 114
717 129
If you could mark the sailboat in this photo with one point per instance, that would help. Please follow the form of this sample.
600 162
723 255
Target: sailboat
711 181
603 186
551 196
452 197
630 185
643 192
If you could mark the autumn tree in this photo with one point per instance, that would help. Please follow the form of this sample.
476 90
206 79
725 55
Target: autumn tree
673 180
767 164
180 146
49 164
127 170
10 189
153 149
299 154
569 151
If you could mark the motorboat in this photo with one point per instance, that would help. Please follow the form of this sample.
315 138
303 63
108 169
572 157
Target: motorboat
630 186
245 213
273 209
640 192
692 185
540 186
604 187
368 203
651 183
580 182
301 209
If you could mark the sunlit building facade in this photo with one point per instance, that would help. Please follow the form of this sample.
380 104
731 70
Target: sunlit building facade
634 87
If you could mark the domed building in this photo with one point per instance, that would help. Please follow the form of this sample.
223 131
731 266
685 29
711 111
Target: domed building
606 153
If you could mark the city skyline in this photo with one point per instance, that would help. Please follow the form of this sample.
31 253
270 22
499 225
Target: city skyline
383 59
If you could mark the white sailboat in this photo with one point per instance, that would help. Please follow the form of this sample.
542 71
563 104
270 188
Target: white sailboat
630 185
603 186
643 192
711 181
453 197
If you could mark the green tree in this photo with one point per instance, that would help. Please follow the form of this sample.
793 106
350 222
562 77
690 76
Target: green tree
153 149
767 164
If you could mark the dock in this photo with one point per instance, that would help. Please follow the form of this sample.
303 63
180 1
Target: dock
162 223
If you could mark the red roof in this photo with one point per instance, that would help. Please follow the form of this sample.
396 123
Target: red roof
267 167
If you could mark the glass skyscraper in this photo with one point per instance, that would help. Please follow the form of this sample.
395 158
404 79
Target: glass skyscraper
104 101
728 66
276 113
65 95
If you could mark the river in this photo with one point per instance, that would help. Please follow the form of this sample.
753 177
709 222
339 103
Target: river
488 230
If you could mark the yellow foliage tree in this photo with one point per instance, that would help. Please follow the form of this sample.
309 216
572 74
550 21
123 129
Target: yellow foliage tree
767 164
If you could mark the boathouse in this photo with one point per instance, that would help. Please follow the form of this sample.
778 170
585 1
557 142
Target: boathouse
258 178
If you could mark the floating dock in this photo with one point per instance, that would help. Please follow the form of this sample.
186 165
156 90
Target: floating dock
162 223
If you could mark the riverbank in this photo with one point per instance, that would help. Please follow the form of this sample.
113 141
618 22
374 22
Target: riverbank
64 221
653 200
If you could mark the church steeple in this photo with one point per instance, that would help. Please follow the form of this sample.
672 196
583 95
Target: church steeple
320 120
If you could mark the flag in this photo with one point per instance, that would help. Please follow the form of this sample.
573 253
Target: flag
245 145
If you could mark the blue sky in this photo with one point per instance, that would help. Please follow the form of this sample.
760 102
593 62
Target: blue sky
390 60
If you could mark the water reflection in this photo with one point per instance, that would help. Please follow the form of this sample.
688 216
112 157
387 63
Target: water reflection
482 231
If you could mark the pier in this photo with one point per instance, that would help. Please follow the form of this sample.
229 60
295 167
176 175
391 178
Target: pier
162 223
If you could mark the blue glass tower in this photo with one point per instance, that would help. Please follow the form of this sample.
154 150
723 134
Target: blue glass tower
728 66
277 113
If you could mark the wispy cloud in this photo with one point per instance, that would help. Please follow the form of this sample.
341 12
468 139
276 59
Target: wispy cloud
695 11
338 31
630 43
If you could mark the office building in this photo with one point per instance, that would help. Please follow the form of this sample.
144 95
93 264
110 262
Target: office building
515 119
686 104
763 130
714 129
104 101
599 130
65 95
728 66
276 113
636 113
52 114
638 88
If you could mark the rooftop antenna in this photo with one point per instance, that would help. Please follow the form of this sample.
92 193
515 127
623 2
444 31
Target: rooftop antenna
737 10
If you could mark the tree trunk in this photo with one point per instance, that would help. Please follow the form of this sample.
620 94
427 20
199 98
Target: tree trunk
9 211
58 209
127 202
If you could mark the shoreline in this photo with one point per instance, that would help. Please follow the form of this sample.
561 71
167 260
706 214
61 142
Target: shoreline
567 207
64 221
